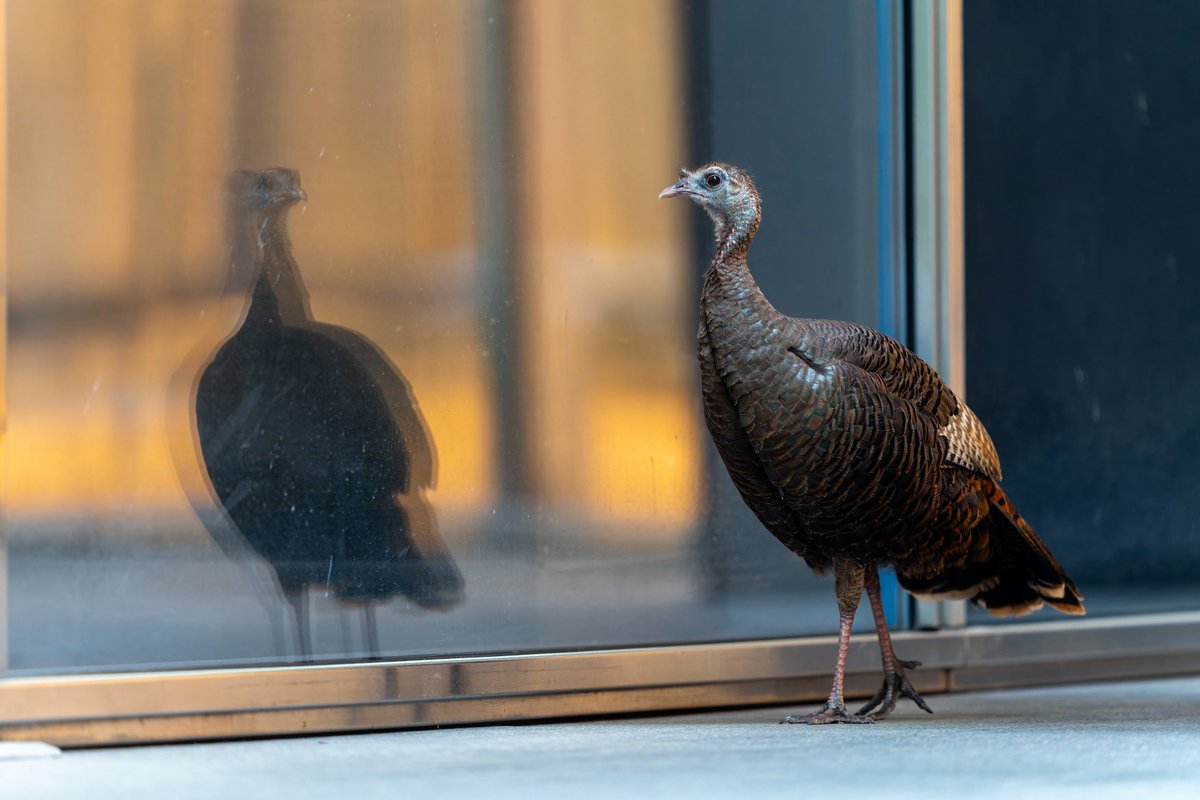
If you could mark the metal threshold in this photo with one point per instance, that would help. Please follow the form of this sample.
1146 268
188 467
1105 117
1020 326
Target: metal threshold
82 710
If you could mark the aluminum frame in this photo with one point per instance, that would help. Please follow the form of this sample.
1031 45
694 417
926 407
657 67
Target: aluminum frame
937 215
937 187
224 703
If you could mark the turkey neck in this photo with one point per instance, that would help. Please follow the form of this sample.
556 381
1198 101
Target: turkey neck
729 288
280 270
263 255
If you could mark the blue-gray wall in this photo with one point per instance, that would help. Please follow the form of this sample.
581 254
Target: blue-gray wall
1083 274
788 90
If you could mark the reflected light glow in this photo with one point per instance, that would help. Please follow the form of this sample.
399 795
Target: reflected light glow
377 118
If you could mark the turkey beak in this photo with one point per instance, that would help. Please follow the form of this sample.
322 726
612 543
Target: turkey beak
300 195
674 189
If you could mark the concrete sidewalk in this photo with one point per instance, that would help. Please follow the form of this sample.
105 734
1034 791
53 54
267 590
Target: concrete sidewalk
1119 740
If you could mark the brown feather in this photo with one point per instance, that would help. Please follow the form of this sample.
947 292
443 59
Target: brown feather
847 446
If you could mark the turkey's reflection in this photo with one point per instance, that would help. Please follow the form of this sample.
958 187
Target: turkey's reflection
312 440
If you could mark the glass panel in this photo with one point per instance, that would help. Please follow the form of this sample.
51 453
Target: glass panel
809 140
1083 265
456 410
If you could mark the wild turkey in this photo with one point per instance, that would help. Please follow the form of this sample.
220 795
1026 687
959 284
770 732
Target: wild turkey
854 454
311 438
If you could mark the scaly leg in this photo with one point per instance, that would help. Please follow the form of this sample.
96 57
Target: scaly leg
297 598
895 683
370 630
848 584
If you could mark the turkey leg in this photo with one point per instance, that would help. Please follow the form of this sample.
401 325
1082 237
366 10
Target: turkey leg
848 585
298 599
895 683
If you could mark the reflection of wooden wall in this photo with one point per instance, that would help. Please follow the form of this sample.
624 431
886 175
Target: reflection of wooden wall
120 127
373 103
3 278
119 136
599 132
127 115
3 335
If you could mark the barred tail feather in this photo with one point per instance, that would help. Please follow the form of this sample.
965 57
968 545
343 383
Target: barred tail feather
1009 571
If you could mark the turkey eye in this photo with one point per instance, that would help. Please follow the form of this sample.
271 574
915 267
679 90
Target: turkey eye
712 179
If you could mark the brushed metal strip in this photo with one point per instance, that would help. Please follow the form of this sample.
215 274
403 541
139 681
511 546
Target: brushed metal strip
1100 669
145 707
214 691
448 712
1082 640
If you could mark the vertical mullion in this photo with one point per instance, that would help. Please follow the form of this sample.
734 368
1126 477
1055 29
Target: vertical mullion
935 58
890 141
500 281
892 210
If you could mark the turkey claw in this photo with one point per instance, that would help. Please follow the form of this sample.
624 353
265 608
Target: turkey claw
895 686
826 716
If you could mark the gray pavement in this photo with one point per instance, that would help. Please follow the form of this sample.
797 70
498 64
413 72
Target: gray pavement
1118 740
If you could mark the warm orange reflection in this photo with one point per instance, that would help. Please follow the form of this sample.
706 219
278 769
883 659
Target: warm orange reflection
607 280
123 122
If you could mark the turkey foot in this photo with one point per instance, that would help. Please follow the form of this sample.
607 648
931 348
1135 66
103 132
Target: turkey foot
829 715
895 685
848 585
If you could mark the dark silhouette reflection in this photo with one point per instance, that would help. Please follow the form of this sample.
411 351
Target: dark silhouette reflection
312 439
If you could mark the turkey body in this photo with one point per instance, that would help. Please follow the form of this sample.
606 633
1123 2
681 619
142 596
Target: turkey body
851 450
313 442
837 464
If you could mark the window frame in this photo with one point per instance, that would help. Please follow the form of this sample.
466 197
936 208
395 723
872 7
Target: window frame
429 693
